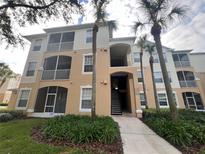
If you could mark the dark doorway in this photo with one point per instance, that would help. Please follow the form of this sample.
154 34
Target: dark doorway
120 99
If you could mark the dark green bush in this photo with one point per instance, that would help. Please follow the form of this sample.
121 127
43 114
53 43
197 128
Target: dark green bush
4 117
3 104
81 129
189 129
15 114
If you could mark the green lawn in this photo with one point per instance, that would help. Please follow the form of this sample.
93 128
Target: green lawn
15 139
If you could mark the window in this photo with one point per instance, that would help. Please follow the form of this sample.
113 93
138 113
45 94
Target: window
193 101
37 45
61 41
162 98
186 79
23 98
139 76
88 63
158 77
142 100
136 57
156 58
89 36
31 69
56 67
86 97
181 60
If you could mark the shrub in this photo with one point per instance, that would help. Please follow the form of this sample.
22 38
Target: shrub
4 117
3 104
189 129
15 114
81 129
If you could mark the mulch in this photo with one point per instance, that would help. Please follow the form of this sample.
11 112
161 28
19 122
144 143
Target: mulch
194 149
95 147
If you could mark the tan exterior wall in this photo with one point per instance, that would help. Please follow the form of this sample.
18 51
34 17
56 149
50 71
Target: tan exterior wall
104 72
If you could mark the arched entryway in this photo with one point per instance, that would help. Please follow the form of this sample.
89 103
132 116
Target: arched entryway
122 93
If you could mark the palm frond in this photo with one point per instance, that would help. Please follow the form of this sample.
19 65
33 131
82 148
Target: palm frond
142 41
138 25
150 48
177 11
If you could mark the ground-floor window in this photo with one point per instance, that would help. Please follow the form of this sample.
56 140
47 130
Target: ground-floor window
142 100
86 97
51 99
193 100
23 98
163 101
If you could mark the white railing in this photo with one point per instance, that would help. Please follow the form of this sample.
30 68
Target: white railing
182 64
55 74
52 47
188 83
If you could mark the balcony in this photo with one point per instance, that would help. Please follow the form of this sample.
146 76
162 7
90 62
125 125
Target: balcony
55 74
52 47
118 55
188 83
182 64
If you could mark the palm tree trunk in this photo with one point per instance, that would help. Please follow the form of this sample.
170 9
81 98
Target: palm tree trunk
168 87
94 49
154 85
143 83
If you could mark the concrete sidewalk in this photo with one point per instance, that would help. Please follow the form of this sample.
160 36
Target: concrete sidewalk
137 138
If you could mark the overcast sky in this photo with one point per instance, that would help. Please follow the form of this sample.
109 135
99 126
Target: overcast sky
186 34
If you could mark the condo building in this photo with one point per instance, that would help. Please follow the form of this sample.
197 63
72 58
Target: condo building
58 74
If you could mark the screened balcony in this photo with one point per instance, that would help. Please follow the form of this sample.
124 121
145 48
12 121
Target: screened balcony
186 79
61 42
193 101
181 60
56 68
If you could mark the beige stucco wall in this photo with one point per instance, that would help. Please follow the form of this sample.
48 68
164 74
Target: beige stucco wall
104 72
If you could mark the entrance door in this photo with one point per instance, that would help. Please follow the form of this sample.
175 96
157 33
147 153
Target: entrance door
50 102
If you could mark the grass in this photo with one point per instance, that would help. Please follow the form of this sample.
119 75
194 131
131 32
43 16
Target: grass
15 138
3 108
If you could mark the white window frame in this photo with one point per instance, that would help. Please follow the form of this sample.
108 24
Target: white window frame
34 44
81 94
61 38
86 35
169 75
164 92
83 71
142 106
55 94
139 71
19 96
133 57
28 68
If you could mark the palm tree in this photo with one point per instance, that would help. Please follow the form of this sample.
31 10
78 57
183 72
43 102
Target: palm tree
100 14
141 44
5 72
158 14
151 48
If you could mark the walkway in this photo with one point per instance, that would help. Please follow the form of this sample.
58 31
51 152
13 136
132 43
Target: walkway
137 138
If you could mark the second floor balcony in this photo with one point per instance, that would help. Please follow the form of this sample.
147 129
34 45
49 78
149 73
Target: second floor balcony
56 68
186 79
118 55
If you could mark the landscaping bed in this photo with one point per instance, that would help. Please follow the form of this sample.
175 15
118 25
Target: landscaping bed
187 133
98 136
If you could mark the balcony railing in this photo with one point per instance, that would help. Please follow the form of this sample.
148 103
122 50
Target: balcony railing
182 64
55 74
60 46
188 83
